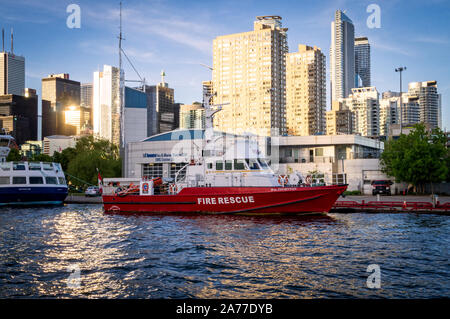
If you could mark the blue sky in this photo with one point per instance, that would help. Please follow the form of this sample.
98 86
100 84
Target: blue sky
177 36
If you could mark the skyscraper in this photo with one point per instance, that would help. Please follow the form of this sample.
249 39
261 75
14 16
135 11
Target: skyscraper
429 102
249 79
305 91
58 93
162 113
106 104
362 62
12 74
342 56
18 116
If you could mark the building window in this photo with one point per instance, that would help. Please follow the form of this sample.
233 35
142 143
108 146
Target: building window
339 179
152 170
319 151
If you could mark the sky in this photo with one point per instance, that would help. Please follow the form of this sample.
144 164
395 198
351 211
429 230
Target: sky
176 36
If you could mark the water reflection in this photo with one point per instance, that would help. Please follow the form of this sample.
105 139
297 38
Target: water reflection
220 256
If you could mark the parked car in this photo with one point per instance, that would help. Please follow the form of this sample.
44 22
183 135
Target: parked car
92 191
381 187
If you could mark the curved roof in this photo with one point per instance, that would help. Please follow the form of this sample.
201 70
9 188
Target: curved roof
182 134
176 135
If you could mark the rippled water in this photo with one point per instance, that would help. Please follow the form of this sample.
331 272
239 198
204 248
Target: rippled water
179 256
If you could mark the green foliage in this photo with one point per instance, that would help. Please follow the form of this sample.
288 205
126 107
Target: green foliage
41 158
350 193
14 155
83 160
90 154
418 158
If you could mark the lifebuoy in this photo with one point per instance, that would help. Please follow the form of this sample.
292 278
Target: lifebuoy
283 179
145 187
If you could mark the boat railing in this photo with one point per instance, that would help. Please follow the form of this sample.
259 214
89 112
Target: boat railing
180 172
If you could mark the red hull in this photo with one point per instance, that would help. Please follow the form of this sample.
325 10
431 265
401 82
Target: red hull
231 200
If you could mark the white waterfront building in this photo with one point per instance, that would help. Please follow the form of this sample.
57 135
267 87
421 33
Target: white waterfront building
351 159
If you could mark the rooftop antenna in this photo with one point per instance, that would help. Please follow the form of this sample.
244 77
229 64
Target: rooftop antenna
12 42
121 81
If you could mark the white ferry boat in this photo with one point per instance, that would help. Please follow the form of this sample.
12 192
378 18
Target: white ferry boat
29 183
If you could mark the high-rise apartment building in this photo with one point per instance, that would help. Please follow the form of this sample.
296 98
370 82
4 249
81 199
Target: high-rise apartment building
342 56
192 116
364 105
339 119
389 113
362 62
249 79
58 93
429 101
305 91
162 113
12 74
106 104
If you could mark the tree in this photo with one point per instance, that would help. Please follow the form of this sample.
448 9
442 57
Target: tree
417 158
90 154
14 155
41 158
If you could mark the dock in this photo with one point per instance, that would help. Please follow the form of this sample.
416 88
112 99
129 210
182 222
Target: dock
392 204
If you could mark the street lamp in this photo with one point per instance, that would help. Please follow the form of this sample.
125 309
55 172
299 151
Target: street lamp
400 70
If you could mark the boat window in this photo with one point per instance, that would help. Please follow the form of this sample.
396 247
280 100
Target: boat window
47 166
252 163
228 165
34 166
18 166
263 164
219 166
6 166
50 180
19 180
210 165
4 142
36 180
62 180
239 165
4 180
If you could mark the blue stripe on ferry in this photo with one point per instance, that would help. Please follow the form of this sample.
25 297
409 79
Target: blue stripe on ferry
31 194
